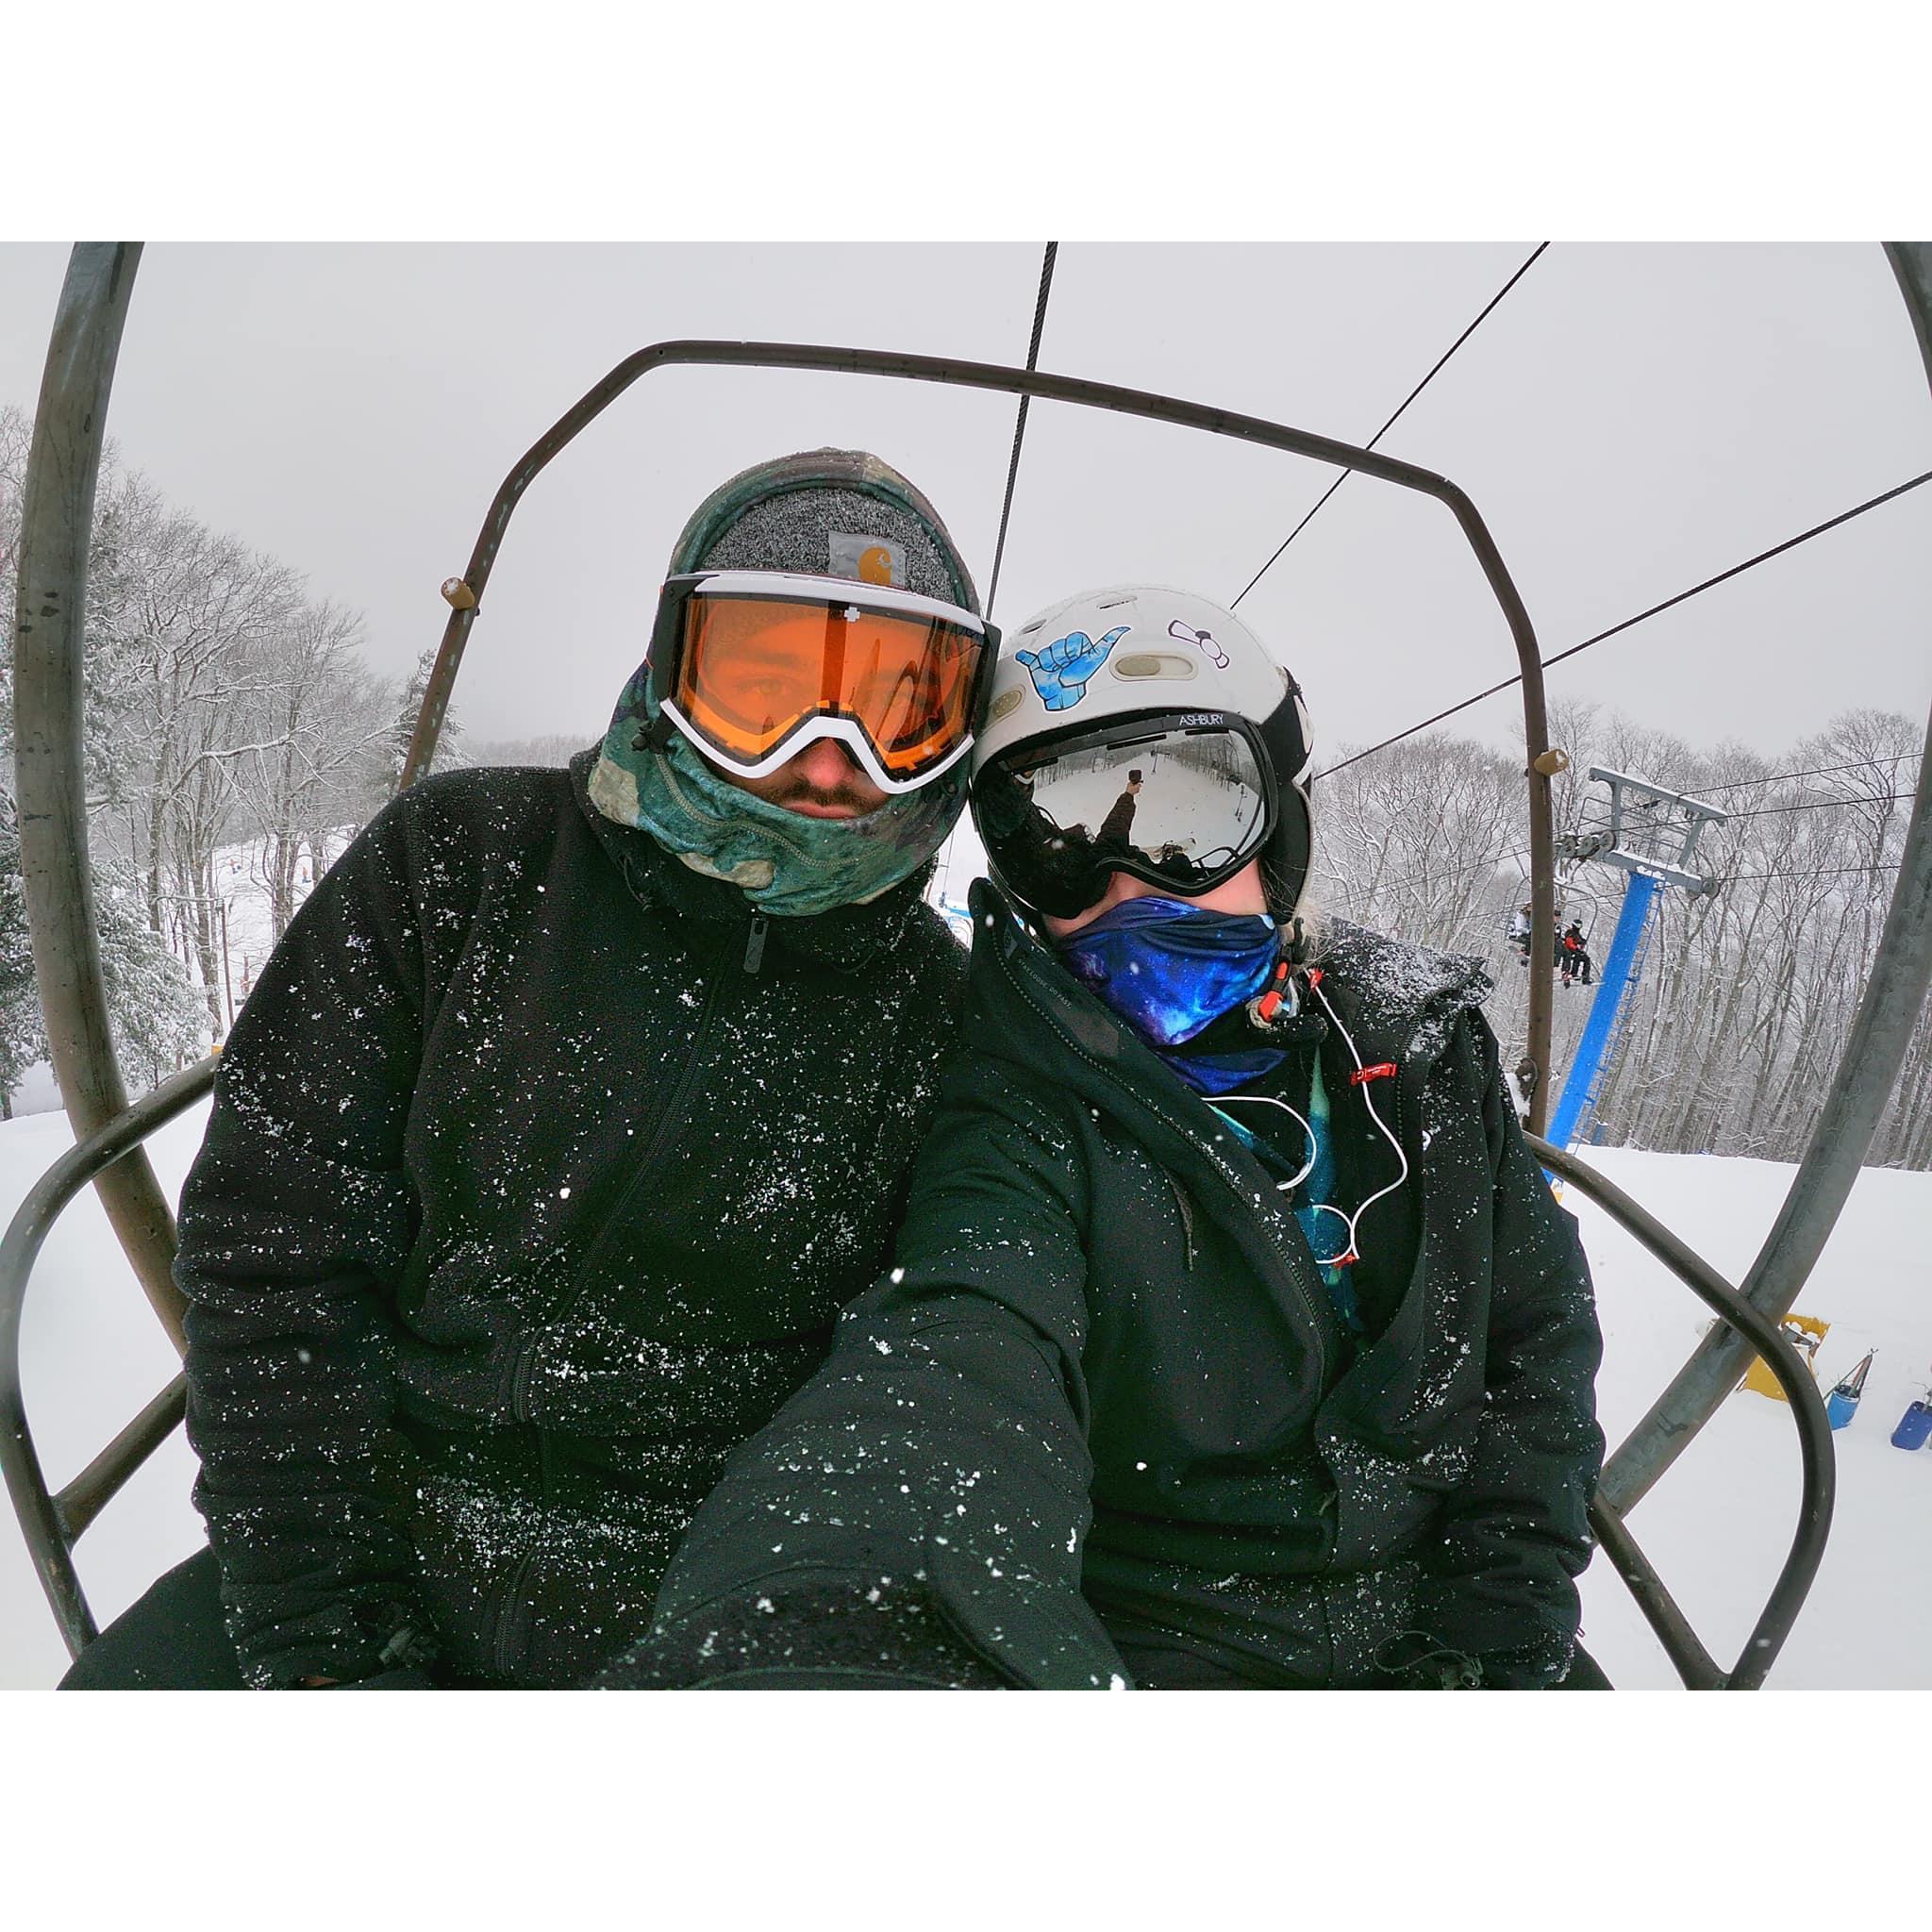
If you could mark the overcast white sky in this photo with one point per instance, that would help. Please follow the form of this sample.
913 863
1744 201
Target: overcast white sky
1630 420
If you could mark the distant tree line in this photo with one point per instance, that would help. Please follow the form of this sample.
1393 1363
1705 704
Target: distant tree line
230 712
228 709
555 751
1746 996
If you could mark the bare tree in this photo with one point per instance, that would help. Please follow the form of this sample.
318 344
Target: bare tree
1746 997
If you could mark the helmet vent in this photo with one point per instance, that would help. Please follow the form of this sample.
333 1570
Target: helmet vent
1112 603
1154 664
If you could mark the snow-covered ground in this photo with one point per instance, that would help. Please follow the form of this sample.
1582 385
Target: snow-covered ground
1717 1526
1720 1524
91 1354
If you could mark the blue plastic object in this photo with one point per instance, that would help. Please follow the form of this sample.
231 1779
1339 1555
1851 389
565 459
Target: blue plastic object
1839 1409
1914 1426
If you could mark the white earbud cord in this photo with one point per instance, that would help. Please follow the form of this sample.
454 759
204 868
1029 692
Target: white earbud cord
1350 1222
1267 1100
1353 1219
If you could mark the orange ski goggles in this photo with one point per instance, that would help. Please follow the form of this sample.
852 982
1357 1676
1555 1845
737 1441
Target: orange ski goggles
751 666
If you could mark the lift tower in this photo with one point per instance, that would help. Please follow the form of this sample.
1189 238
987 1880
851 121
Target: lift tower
1651 838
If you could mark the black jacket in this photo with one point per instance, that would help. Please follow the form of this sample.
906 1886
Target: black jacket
1104 1390
536 1171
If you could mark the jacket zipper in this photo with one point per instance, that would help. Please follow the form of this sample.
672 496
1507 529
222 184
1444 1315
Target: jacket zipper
670 1118
505 1646
505 1643
1181 1200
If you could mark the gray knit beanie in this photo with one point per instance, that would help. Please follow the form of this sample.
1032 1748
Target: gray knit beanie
827 512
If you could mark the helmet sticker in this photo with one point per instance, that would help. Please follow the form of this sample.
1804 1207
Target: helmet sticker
867 559
1060 671
1205 638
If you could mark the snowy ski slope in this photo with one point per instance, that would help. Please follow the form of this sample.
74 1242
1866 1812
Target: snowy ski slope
1717 1526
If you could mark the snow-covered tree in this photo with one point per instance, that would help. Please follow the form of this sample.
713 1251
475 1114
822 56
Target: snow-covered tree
322 726
23 1039
1732 1028
403 728
160 1020
550 752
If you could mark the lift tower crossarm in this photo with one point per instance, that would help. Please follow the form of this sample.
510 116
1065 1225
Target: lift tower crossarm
1672 871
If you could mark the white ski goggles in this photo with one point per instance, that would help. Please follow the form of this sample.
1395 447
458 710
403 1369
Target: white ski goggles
753 666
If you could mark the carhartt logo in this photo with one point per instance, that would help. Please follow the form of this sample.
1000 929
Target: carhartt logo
867 559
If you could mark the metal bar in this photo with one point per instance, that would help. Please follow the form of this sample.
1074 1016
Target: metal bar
999 548
1694 1664
1613 984
102 1480
1761 1332
48 1538
1099 395
1617 780
1860 1087
57 525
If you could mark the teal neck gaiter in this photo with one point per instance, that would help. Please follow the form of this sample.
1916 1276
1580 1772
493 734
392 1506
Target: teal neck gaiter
786 864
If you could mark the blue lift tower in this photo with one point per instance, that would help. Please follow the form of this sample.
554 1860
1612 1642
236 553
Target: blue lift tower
1650 837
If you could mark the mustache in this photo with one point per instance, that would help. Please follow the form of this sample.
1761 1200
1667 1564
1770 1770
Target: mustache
844 795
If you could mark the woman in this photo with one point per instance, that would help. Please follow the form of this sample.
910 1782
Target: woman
1235 1337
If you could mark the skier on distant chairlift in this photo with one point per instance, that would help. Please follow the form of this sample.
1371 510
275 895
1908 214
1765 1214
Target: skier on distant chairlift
1573 955
1519 932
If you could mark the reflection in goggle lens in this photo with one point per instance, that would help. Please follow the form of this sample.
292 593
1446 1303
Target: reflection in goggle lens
1185 808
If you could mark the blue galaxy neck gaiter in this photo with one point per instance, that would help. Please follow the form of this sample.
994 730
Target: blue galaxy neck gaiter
1170 969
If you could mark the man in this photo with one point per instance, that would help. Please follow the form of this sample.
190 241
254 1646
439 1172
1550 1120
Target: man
567 1114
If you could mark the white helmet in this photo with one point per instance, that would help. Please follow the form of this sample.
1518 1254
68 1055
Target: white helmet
1135 652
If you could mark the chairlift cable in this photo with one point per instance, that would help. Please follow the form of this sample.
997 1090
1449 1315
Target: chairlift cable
1818 804
1701 791
1503 858
1823 873
1379 434
1890 758
999 551
1668 602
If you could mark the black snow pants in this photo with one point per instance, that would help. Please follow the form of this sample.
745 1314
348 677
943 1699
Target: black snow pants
1166 1660
171 1638
174 1639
